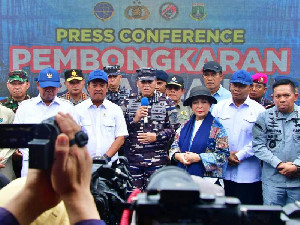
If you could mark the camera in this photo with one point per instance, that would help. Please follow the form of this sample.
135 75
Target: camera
109 186
173 197
39 138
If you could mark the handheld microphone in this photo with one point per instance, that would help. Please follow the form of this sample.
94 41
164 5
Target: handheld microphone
145 102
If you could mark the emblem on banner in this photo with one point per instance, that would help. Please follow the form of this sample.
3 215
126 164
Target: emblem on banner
198 12
137 11
168 11
103 11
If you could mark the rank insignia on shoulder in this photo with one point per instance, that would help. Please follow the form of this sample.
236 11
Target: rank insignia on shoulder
184 113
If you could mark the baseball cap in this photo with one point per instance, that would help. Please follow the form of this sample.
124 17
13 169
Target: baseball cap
146 73
19 75
73 74
260 78
162 75
49 77
98 74
197 92
175 80
241 76
112 70
212 65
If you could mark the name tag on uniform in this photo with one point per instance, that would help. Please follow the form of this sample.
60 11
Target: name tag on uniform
157 117
158 111
133 106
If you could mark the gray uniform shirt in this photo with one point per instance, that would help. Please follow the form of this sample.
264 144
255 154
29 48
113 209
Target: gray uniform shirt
276 138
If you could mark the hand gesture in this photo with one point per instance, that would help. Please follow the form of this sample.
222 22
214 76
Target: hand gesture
232 159
140 113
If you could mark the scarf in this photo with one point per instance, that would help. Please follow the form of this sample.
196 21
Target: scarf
197 145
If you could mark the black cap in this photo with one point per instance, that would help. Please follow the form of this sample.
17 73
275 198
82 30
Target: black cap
213 66
112 70
199 91
175 80
73 74
146 73
162 75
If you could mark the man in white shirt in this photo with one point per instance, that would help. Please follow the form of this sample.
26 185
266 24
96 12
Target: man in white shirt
45 105
238 115
101 119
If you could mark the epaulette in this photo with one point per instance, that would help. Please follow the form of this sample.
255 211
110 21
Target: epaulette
269 106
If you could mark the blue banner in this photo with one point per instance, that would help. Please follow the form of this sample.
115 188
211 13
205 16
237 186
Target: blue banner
175 36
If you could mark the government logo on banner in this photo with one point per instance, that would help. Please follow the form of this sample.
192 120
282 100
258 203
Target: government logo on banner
137 11
103 11
168 11
198 12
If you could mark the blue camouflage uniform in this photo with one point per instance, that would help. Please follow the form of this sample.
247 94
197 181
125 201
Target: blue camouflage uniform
144 159
119 96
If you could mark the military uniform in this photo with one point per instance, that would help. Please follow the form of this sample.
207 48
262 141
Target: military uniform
276 139
183 112
119 96
67 96
265 102
12 104
144 159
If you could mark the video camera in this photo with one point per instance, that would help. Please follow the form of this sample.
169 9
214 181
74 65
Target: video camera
109 186
172 197
39 138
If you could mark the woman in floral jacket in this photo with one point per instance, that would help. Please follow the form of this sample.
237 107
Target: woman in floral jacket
201 144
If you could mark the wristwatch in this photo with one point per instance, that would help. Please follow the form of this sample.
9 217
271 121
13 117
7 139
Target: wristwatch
106 158
81 139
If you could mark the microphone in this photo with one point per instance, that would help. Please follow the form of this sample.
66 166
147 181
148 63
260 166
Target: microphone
145 102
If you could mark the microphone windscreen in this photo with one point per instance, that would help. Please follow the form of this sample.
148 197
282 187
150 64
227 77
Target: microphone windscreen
144 101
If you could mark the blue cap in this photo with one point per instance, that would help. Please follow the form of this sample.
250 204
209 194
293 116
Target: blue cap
296 83
49 77
241 76
98 74
162 75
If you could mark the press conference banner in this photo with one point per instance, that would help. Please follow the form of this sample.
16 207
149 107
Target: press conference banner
175 36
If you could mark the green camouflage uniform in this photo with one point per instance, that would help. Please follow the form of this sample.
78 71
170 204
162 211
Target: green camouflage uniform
12 104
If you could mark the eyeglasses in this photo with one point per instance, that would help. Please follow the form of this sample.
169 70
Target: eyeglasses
113 76
175 87
146 81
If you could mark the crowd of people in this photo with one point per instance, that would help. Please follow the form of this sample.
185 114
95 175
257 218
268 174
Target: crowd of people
234 138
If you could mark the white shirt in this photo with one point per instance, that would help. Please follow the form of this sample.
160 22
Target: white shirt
196 127
220 95
103 125
238 122
34 111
